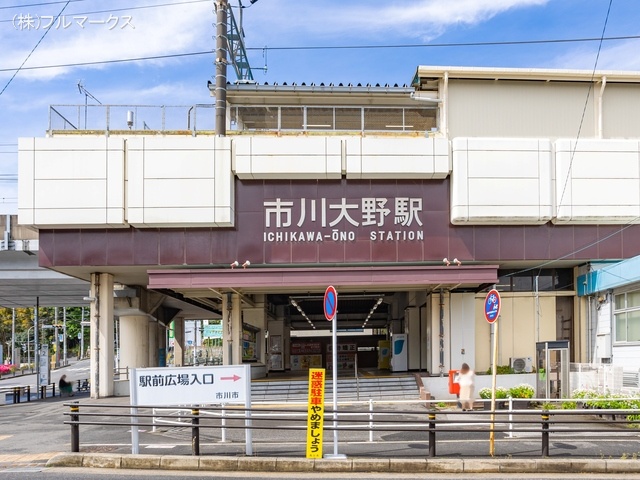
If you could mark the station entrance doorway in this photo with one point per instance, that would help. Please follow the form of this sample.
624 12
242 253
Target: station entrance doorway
274 319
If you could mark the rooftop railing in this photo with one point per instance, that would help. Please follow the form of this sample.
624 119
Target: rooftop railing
200 118
138 118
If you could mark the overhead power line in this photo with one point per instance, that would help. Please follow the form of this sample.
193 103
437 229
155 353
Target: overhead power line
33 50
40 4
453 44
113 10
327 47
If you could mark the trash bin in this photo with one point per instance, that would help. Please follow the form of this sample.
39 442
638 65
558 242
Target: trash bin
454 386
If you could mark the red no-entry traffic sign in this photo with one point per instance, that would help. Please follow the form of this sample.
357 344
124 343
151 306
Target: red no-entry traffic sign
330 303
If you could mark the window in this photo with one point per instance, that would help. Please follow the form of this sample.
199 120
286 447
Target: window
627 317
321 118
549 280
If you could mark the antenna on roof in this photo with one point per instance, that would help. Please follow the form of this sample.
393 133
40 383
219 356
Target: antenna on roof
87 94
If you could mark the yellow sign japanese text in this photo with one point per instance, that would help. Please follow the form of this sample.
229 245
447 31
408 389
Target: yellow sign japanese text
315 413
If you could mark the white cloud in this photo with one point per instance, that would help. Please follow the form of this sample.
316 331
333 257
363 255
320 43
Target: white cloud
153 32
621 56
366 19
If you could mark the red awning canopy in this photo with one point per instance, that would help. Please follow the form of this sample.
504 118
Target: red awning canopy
279 279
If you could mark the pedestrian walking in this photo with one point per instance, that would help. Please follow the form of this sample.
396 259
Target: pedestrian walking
466 379
65 387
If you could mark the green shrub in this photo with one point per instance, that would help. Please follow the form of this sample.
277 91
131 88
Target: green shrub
501 370
485 393
523 390
501 393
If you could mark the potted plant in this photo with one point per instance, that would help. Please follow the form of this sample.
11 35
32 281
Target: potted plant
501 394
520 392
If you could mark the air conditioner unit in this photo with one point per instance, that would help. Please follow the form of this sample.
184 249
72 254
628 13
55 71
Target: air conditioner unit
522 364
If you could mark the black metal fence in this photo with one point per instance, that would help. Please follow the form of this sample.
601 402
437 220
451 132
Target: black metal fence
440 425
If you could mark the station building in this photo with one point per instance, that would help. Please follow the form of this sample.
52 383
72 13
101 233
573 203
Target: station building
412 201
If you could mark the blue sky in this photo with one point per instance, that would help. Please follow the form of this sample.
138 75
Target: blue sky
98 31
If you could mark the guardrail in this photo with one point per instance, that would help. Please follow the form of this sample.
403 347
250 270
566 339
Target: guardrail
16 391
362 417
19 391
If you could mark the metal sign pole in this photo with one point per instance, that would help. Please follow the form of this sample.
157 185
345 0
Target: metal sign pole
135 435
494 368
331 313
334 363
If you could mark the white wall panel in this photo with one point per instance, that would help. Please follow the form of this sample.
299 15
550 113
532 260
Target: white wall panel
183 193
26 186
401 157
73 181
463 329
353 157
180 181
314 157
501 181
598 181
70 217
135 180
224 193
61 194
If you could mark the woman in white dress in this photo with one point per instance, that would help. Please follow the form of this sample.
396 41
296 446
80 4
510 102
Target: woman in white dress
466 379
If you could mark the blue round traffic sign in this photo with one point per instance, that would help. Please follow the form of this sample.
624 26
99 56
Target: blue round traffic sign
330 303
492 306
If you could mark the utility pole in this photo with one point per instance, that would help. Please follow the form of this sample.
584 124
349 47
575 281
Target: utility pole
222 46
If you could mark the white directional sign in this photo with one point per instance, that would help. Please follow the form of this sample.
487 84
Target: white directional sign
191 385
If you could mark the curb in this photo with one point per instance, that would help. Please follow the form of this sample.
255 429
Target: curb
375 465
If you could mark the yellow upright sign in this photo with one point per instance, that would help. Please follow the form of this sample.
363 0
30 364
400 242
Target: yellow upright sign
315 413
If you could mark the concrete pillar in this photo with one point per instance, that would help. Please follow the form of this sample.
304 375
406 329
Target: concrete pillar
134 341
153 344
226 329
178 341
102 344
232 329
236 333
162 345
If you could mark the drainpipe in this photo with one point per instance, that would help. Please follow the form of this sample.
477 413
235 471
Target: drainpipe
444 106
600 96
222 45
